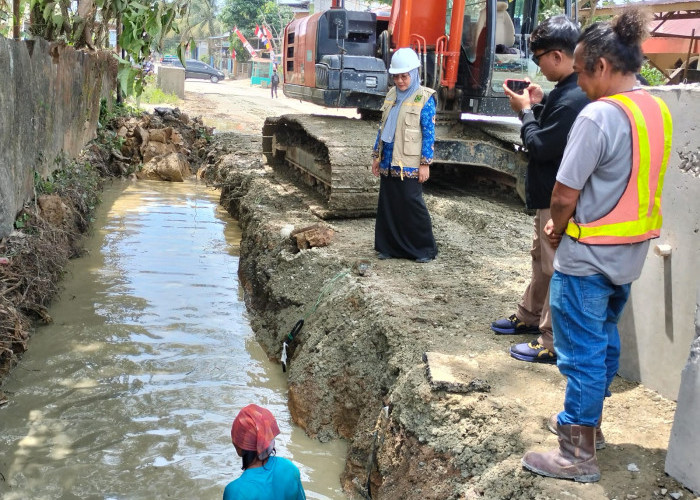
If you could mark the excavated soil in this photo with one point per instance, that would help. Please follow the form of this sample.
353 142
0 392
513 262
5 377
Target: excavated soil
356 369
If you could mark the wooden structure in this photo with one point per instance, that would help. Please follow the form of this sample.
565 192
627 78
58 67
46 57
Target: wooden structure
674 45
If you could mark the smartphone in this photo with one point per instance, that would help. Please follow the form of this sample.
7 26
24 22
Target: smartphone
517 86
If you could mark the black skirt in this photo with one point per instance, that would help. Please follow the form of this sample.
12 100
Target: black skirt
403 228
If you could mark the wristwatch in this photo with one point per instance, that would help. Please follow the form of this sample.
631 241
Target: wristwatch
523 112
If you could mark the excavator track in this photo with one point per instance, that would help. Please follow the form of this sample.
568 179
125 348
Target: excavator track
332 155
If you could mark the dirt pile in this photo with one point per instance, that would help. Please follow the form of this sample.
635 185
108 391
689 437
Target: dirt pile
356 368
47 234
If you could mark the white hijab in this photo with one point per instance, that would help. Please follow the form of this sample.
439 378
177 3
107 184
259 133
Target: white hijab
389 129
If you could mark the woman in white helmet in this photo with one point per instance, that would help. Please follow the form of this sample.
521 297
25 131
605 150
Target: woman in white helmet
402 155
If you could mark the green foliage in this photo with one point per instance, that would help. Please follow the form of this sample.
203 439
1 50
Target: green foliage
653 75
201 20
242 13
245 14
549 9
143 25
22 220
118 109
71 179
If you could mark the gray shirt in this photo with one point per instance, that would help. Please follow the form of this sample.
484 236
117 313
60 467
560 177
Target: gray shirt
598 162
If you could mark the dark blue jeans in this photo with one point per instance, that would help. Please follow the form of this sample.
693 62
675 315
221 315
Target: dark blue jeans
585 313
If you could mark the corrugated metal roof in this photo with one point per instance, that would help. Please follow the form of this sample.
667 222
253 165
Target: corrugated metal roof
676 28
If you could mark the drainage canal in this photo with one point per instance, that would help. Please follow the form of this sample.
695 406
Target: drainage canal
131 391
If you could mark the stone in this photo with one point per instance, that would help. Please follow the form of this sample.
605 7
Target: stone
176 138
155 149
173 167
450 373
129 147
141 135
317 235
160 134
52 208
683 456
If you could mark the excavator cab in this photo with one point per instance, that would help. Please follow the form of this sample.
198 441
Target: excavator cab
483 43
339 58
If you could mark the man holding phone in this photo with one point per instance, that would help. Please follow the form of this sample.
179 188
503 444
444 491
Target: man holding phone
547 120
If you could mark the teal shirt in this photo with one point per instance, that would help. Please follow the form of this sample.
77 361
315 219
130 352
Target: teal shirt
278 479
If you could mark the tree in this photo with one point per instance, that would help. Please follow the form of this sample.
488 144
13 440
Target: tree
242 13
201 22
142 24
276 18
246 14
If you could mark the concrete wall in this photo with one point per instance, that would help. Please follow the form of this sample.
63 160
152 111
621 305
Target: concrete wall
683 457
171 80
657 327
49 103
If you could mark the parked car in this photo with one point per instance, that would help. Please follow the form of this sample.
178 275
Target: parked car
199 70
168 59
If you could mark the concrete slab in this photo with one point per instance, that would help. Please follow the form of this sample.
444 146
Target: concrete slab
683 457
171 80
656 327
453 373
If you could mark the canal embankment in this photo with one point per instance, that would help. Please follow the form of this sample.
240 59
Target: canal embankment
357 369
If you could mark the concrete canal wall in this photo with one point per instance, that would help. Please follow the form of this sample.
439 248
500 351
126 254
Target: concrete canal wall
50 103
657 328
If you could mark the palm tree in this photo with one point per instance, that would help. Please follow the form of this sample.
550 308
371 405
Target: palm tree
201 22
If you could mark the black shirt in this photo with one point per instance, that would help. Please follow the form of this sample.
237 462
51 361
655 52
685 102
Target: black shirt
544 133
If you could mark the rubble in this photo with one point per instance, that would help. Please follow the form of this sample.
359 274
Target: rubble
167 145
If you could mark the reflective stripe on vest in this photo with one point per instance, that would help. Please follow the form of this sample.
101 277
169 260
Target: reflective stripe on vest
637 215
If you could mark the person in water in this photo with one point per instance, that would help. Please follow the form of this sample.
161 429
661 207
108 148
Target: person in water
265 476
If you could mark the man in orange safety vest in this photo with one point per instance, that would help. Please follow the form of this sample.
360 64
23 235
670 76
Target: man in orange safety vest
605 207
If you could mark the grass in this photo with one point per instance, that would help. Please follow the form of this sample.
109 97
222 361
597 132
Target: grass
153 95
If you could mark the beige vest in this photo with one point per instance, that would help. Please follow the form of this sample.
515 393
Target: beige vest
408 138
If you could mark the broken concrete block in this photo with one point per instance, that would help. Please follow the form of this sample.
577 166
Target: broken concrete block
683 456
160 134
156 149
450 373
317 235
141 135
173 167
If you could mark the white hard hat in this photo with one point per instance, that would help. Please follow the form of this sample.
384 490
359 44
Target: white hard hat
403 61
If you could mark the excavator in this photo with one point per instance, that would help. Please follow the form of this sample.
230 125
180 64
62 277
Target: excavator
339 58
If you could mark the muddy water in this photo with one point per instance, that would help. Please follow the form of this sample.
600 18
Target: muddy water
130 393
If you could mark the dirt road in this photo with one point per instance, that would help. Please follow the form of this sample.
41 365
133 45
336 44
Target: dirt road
237 105
362 348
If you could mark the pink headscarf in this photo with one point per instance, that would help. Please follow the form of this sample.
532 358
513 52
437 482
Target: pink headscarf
254 429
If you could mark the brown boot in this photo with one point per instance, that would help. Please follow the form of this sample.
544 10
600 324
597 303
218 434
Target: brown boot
599 438
574 459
